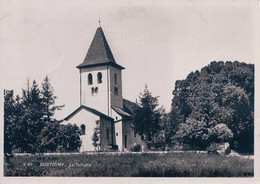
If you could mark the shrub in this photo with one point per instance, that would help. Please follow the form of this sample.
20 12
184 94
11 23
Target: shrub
136 148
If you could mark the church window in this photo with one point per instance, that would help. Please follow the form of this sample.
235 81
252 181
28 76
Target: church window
83 129
90 80
116 91
99 77
134 133
94 91
107 133
97 122
115 78
116 134
142 137
125 141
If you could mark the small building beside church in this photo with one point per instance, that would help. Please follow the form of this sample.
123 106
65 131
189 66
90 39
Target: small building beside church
103 112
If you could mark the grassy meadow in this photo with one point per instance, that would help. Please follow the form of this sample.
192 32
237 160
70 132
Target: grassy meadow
130 165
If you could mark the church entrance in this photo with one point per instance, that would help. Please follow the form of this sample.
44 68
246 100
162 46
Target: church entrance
125 141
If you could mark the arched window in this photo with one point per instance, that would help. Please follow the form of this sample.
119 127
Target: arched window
90 80
115 78
99 77
142 137
108 134
116 91
83 129
94 91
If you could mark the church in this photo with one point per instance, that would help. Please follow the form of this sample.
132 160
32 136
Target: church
104 116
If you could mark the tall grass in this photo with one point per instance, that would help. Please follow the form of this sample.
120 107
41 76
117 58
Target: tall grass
132 165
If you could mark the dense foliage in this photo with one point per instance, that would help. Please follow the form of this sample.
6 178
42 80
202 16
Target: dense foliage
48 99
211 106
56 137
29 123
216 105
146 119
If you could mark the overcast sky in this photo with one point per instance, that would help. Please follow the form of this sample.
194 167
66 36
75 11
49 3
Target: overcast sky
156 43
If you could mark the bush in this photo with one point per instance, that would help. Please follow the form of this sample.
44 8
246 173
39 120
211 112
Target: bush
57 137
136 148
216 148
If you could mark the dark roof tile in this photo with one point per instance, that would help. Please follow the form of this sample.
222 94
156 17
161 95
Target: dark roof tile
94 111
99 52
120 111
129 106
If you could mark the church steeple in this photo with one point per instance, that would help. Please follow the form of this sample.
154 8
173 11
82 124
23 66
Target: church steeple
99 22
100 77
99 52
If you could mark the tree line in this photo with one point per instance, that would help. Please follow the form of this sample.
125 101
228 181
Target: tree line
214 105
30 125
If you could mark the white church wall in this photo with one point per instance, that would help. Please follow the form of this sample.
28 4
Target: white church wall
133 138
89 120
116 97
118 135
118 129
98 100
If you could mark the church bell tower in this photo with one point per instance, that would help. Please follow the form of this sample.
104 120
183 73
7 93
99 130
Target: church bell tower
100 77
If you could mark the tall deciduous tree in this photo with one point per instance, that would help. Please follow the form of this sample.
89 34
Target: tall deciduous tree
219 93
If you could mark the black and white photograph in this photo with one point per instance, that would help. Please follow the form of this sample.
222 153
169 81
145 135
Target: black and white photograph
129 91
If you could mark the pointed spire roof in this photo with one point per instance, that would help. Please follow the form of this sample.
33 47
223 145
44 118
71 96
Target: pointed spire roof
99 52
